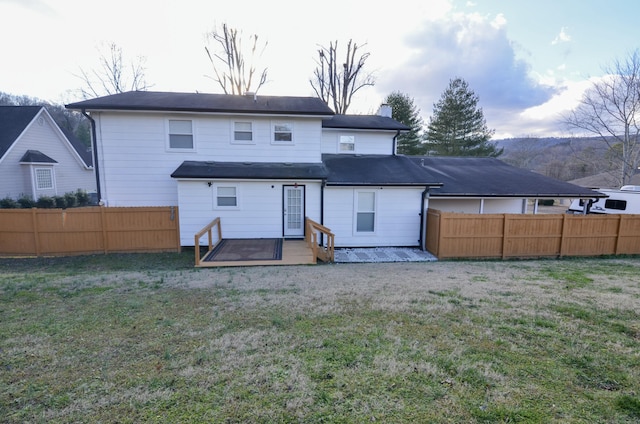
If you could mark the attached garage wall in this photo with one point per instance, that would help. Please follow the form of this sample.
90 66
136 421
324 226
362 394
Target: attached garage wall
397 217
510 205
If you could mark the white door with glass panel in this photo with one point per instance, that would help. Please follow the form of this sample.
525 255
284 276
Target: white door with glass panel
293 211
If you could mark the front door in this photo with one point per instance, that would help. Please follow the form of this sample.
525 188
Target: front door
293 207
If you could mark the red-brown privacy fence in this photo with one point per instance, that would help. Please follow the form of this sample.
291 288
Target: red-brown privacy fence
459 235
77 231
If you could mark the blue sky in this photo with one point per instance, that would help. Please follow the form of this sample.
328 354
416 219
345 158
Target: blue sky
528 61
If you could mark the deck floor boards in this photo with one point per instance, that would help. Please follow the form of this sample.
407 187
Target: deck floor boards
294 252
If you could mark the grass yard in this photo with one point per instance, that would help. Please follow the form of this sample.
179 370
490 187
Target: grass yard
149 338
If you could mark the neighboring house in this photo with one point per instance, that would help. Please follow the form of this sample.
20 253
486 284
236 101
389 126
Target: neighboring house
37 158
262 164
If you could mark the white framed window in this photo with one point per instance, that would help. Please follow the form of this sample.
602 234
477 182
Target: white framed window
180 134
243 132
347 144
44 178
225 197
365 208
282 133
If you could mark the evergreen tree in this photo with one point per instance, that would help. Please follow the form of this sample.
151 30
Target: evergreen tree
458 127
405 111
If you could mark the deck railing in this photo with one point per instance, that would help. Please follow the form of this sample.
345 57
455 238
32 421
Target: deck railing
208 229
323 252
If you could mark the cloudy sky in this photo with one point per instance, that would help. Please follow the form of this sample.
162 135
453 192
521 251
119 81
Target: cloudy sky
528 61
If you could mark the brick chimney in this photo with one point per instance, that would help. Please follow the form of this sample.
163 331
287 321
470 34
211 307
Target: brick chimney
385 110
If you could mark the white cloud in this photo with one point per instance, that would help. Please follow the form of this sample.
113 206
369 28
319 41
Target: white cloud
563 37
477 49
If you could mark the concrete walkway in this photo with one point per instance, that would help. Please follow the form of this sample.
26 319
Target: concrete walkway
382 254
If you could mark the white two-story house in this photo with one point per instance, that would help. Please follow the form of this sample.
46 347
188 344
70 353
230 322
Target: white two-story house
260 163
264 163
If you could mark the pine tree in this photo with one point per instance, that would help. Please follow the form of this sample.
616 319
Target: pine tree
458 126
405 111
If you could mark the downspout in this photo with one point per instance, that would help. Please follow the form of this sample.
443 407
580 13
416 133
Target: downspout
395 143
423 219
322 185
94 145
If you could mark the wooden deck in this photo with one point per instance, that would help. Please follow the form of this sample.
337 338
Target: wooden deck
294 252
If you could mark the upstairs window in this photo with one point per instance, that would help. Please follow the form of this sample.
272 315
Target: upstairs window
180 134
44 178
283 133
347 144
242 132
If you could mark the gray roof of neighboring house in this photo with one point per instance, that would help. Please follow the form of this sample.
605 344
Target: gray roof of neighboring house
13 121
205 102
250 170
363 122
36 156
376 170
490 177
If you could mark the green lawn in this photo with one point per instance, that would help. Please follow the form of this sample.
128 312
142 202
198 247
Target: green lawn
149 338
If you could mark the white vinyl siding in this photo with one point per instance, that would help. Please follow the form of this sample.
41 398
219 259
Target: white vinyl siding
260 215
397 216
365 142
181 134
124 139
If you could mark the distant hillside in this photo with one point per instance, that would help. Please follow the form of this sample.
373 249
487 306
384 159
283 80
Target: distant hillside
562 158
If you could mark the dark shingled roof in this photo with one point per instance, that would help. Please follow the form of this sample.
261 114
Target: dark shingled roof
36 156
363 122
13 120
490 177
251 170
376 170
202 102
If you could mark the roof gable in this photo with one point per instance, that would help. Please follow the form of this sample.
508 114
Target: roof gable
13 121
206 102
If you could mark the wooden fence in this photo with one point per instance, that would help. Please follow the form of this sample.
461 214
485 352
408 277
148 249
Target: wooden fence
458 235
79 231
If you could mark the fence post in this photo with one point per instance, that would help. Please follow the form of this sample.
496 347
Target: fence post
103 224
504 235
562 235
36 236
619 232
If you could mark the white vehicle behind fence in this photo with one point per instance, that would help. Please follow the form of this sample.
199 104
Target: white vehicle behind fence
625 200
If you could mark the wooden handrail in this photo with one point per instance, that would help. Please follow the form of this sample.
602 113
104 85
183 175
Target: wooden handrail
324 253
207 230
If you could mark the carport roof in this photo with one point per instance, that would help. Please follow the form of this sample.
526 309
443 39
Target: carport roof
490 177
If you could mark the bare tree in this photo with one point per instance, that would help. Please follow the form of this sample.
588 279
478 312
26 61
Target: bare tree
337 83
114 74
230 69
610 109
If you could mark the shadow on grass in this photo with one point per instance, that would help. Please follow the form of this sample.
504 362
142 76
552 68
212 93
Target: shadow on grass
100 262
